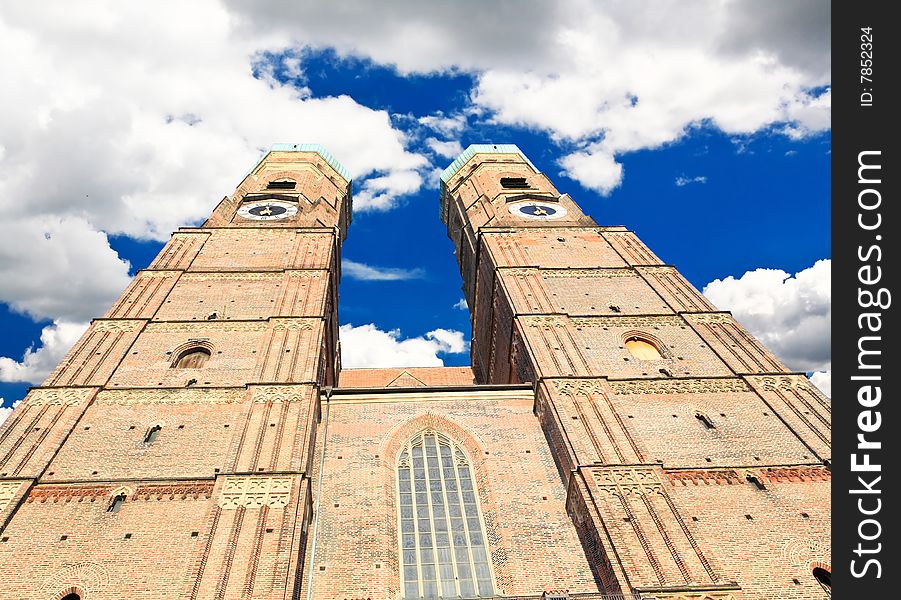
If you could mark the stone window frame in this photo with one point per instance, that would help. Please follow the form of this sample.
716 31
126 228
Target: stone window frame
190 347
647 338
460 462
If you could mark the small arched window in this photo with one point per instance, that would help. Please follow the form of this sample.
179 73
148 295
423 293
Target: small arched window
824 578
192 358
444 553
642 349
72 596
152 434
116 505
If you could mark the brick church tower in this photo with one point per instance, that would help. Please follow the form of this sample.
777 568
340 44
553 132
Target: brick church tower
616 436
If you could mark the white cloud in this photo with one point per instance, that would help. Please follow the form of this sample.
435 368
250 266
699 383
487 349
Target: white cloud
369 346
5 411
383 192
605 77
446 125
823 380
37 363
445 149
595 169
364 272
791 315
55 267
122 129
461 304
682 180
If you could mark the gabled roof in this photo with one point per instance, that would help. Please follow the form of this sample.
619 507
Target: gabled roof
318 149
474 149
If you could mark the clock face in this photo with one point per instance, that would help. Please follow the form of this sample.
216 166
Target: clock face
267 210
538 210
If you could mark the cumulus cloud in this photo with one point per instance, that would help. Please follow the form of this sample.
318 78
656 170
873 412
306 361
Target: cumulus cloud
368 346
461 304
605 77
682 180
58 268
364 272
790 314
823 380
445 149
37 363
5 411
446 125
112 131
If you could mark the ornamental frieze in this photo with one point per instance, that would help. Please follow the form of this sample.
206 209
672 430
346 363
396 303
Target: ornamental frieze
58 397
679 386
626 481
8 491
117 326
255 492
171 396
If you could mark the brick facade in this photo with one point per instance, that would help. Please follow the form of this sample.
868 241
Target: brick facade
255 468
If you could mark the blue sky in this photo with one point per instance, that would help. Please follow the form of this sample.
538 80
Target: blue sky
731 185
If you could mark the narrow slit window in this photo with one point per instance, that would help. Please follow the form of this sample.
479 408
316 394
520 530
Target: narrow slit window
192 358
642 349
116 505
824 578
707 423
514 183
444 552
152 434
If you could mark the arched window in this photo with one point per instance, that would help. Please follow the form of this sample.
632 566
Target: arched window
72 596
192 358
824 578
642 349
443 547
152 434
116 505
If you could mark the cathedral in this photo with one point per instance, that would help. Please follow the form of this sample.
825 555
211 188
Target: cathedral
616 437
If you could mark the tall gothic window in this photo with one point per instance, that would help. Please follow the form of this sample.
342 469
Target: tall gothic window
443 547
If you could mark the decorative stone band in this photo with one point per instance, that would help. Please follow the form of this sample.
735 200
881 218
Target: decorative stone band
569 273
632 322
8 491
117 326
679 386
295 324
687 595
720 317
156 491
278 394
56 396
255 492
580 387
733 477
627 480
202 328
787 382
172 396
249 276
174 491
704 477
158 274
